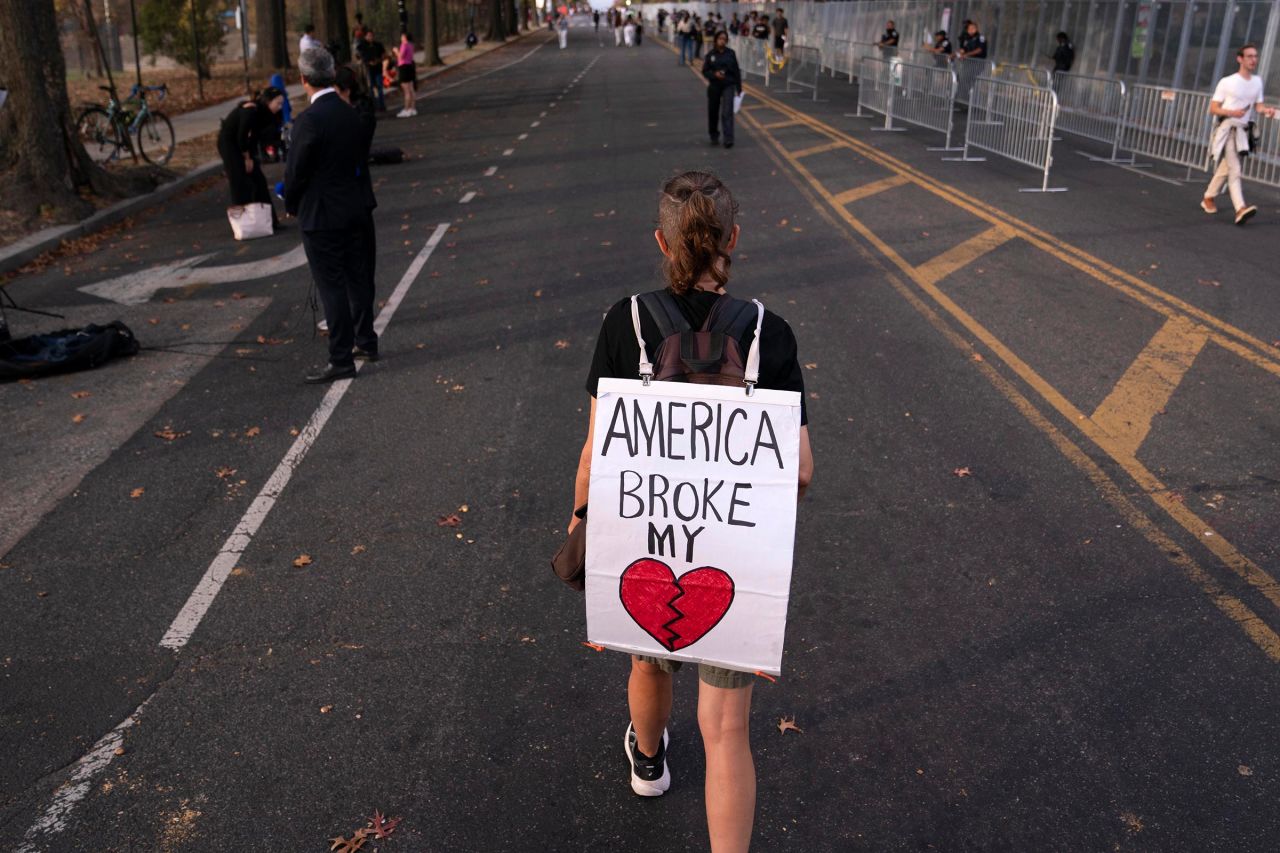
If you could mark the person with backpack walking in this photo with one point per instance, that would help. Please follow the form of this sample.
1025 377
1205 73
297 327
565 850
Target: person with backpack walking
696 236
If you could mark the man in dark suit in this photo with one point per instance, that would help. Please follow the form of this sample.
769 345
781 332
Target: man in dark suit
326 187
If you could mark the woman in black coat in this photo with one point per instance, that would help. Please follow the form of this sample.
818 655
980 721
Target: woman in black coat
240 140
724 81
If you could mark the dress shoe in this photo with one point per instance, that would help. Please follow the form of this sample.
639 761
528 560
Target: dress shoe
329 373
367 355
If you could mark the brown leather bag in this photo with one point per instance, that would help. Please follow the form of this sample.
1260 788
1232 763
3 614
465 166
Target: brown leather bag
570 562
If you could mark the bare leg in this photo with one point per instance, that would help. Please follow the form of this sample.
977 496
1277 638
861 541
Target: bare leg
649 697
724 718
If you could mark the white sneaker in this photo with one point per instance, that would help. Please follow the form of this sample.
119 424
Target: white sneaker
402 114
650 777
413 112
323 325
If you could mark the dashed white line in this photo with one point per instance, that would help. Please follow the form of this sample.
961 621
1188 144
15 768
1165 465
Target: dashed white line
184 625
491 171
467 198
522 137
508 152
535 124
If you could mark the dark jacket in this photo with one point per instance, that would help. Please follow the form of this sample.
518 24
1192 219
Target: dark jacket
246 128
328 154
726 62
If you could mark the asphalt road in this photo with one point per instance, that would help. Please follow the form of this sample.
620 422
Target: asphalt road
1072 648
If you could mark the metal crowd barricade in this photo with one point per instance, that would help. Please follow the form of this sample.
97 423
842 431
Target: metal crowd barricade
967 71
1092 107
1013 120
1171 125
840 58
802 67
751 57
1032 76
925 96
875 89
1263 163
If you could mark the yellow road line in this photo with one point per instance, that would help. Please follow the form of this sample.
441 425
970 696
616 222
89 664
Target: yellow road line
1231 338
1150 381
819 149
849 196
960 256
1230 556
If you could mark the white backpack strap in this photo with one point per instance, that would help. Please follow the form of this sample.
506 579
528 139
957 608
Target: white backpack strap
752 373
646 367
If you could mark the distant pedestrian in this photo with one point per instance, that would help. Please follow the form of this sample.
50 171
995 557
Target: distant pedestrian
240 140
617 27
724 82
760 29
639 30
940 47
357 33
781 31
1064 55
889 41
696 235
562 30
629 32
370 52
1236 102
595 19
334 204
309 40
407 75
684 33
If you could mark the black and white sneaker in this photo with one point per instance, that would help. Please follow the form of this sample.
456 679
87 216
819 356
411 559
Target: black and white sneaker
650 777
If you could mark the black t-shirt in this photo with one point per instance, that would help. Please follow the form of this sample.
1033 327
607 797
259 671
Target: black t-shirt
779 30
890 38
617 354
976 42
1063 57
760 30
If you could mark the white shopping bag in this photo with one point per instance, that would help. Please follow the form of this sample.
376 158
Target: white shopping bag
737 102
250 221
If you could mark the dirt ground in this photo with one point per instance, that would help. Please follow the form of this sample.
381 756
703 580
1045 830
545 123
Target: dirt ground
184 95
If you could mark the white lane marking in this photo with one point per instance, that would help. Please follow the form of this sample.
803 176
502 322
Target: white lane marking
542 114
422 95
535 124
508 152
137 288
467 198
491 171
238 542
54 819
553 105
522 137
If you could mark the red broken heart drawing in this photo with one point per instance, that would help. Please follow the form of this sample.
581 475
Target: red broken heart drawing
677 612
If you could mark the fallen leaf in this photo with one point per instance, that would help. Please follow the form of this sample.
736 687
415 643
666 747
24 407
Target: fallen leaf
782 223
137 493
252 431
381 826
594 646
302 560
451 520
562 344
812 365
324 709
359 549
345 845
788 724
1244 770
224 472
962 472
119 750
78 419
537 294
977 356
169 434
154 321
1209 282
1132 822
80 395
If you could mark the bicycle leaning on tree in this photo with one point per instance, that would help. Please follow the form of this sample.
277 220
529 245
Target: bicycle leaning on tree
108 131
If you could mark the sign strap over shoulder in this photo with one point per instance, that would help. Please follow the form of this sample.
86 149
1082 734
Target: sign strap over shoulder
751 375
646 366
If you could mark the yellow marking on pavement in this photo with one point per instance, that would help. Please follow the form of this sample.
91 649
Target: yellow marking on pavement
960 256
1231 557
820 149
791 122
1150 381
850 196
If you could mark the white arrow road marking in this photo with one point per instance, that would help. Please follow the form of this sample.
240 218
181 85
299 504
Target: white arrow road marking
135 288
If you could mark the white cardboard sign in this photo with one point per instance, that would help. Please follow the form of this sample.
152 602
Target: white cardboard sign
692 521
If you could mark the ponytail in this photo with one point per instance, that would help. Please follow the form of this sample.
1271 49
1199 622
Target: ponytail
696 216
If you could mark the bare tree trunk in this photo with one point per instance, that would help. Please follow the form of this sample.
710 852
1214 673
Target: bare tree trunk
331 26
497 26
43 166
432 36
269 28
513 15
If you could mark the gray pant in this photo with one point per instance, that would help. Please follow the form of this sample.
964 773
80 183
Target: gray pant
1228 172
720 111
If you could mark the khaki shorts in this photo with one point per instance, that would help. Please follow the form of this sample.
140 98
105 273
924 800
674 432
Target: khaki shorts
716 676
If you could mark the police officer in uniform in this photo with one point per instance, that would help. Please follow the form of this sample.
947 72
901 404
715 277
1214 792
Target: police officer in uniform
1065 54
973 44
889 40
940 48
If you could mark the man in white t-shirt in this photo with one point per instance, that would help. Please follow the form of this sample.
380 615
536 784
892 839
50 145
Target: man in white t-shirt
1236 103
309 40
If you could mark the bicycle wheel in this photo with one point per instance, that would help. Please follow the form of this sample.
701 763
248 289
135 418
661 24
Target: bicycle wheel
155 139
101 137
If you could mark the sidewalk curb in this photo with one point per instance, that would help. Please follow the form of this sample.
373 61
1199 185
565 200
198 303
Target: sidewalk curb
24 251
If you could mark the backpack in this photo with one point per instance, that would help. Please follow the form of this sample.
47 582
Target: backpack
711 355
65 350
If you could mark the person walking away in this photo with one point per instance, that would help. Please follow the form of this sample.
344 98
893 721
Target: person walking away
240 140
888 43
781 30
407 75
629 32
639 30
324 189
1236 102
697 236
562 30
370 52
595 19
309 40
724 82
1064 55
940 48
617 28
